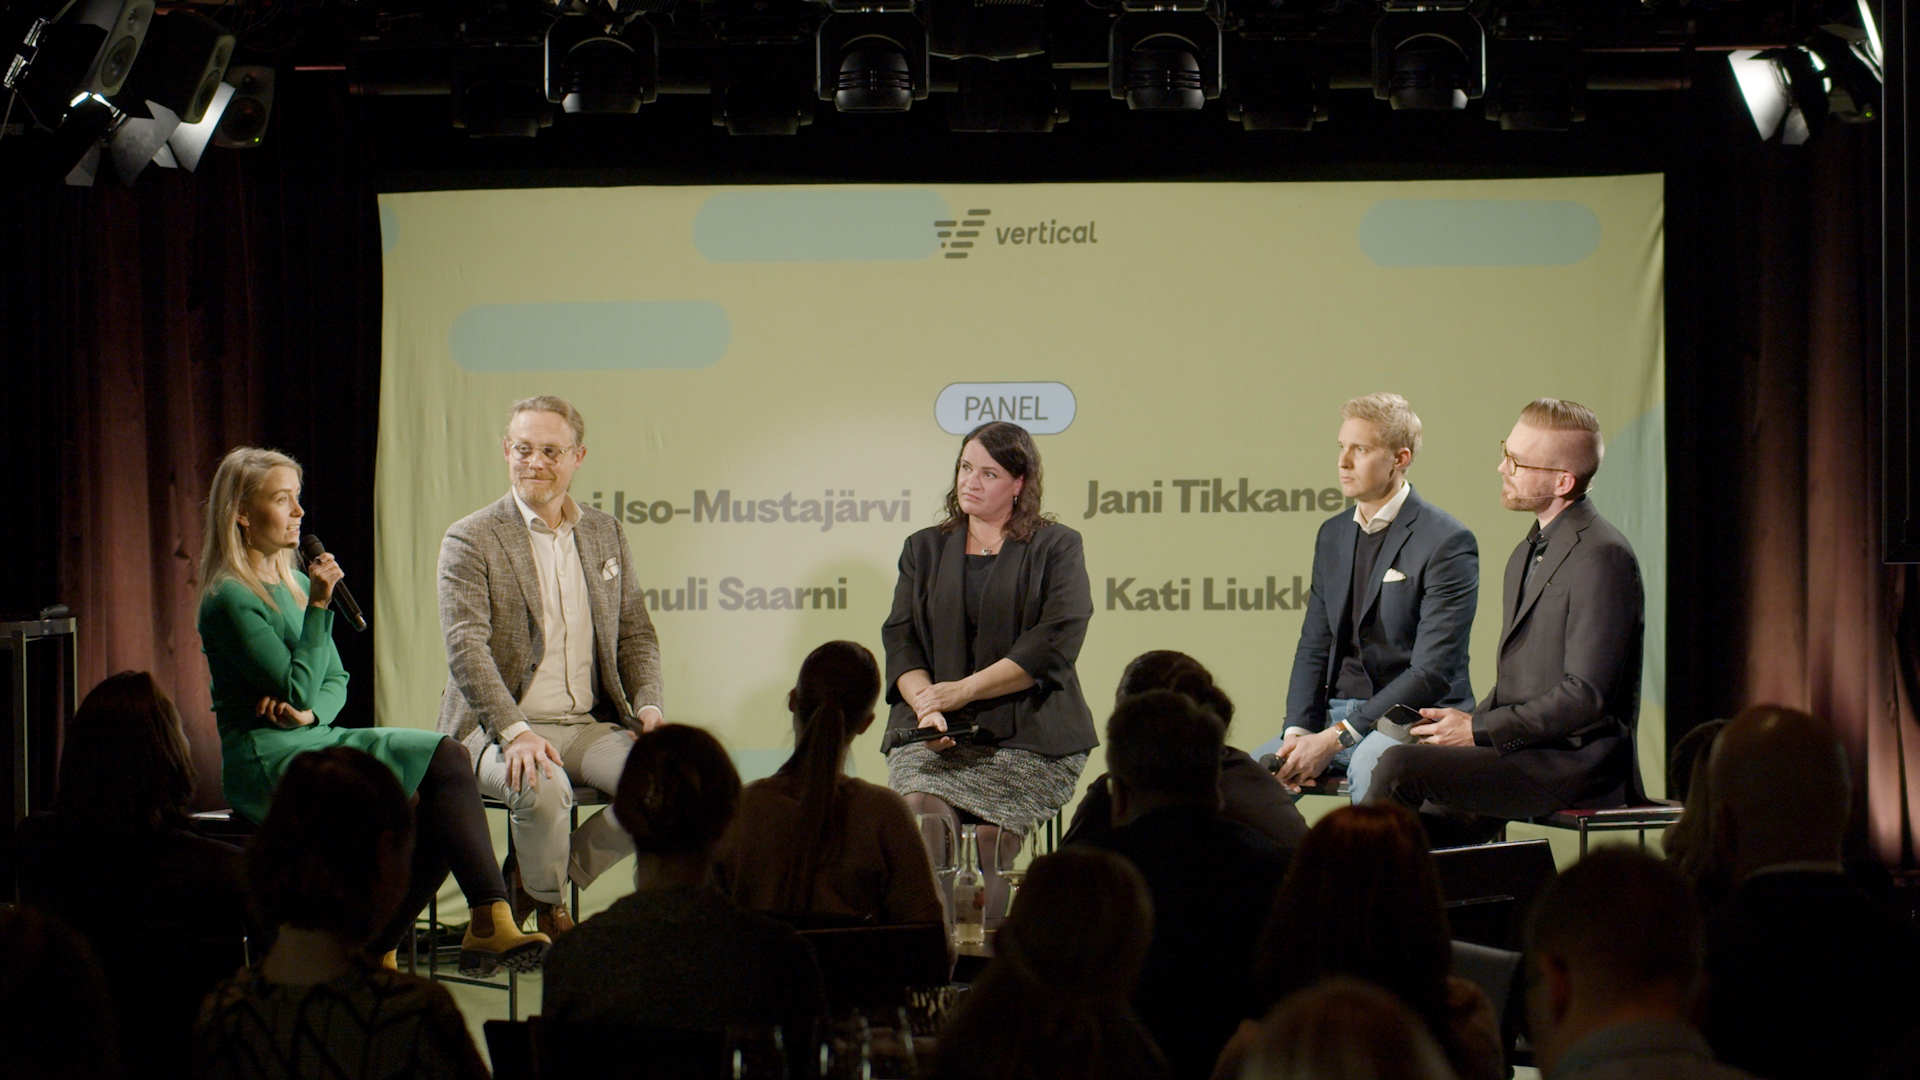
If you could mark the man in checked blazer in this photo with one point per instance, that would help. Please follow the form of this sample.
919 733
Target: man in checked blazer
553 669
1555 731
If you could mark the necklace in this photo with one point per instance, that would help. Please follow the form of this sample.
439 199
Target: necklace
985 548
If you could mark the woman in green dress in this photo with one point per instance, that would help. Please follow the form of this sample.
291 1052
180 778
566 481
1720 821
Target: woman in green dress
266 629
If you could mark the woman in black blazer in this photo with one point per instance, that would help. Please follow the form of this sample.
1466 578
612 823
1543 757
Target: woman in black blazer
988 618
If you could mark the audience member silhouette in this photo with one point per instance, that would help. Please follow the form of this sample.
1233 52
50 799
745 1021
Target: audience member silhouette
1689 842
1811 977
1053 1004
676 954
329 867
1362 898
813 844
1342 1028
163 906
1614 953
1212 880
1247 792
59 1020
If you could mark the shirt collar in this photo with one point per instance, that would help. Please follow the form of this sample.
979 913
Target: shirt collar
1813 866
569 515
1636 1039
1387 513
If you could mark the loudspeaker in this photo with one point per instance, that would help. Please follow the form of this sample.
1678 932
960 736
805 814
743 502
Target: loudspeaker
181 64
244 123
126 23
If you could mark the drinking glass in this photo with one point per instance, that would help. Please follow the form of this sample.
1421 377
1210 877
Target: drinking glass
756 1052
1006 859
937 835
845 1049
890 1042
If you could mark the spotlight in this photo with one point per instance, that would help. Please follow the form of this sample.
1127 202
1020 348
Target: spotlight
591 68
1784 92
1428 57
189 141
1535 86
181 65
761 89
78 57
243 124
871 62
958 29
1164 61
1849 72
1006 95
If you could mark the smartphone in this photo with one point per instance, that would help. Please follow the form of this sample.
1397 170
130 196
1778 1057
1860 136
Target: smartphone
1396 722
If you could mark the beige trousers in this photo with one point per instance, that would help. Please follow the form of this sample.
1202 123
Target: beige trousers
538 814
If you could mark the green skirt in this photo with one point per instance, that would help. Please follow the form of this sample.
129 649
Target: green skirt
254 759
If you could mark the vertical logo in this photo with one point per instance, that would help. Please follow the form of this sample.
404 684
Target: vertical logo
956 237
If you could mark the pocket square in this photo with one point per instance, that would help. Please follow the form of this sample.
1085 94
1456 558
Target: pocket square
610 569
1393 575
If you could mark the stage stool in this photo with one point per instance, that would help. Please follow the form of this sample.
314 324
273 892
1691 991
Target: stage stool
584 795
1489 888
1655 814
1050 831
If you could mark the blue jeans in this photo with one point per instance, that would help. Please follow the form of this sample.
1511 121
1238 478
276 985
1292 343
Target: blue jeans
1357 761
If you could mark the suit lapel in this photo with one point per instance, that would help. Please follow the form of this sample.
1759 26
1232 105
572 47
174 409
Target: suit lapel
950 595
586 540
1558 549
1342 577
511 531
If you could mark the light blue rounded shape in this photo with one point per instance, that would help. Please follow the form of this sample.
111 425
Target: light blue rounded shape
851 225
1043 408
389 230
623 335
1478 232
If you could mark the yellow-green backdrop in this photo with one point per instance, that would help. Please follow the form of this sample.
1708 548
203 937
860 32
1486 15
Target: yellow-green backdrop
785 341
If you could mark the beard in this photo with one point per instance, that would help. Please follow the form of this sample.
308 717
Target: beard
534 491
1531 504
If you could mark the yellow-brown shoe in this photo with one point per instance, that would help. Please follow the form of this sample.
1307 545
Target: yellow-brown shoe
390 960
493 941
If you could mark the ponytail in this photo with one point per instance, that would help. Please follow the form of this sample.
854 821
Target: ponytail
839 683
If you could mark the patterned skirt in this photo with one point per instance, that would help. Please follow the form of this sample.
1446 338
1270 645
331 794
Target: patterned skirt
1008 787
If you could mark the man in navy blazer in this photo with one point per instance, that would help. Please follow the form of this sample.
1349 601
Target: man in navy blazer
1395 584
1556 730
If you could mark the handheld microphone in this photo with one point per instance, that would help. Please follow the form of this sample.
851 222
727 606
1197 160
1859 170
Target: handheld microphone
895 738
1273 763
312 548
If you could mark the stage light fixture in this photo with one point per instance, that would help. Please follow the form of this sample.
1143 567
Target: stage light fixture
959 29
1428 56
762 89
871 61
85 51
1785 91
1850 77
595 68
243 123
189 141
1164 61
181 64
1006 95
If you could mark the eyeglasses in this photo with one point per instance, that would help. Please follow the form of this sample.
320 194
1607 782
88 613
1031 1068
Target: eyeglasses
1508 459
553 454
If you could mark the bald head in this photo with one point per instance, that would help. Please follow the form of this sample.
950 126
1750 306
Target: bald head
1781 787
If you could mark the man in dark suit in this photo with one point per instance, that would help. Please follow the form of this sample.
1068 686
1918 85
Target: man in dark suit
1812 977
1395 585
1212 880
1556 729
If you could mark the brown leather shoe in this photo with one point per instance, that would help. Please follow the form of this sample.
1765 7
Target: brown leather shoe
523 902
554 920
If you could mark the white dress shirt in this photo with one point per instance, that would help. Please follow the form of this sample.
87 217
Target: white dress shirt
562 686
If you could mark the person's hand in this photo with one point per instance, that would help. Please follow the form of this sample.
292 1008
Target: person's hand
324 573
1444 727
650 717
282 714
1309 758
936 720
940 697
529 755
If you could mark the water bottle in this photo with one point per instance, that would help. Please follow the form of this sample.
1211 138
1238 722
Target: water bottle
969 893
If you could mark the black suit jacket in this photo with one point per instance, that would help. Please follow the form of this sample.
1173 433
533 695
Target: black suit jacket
1413 632
1568 673
1034 613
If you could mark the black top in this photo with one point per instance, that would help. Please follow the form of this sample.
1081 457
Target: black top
1213 883
1033 610
978 567
1351 679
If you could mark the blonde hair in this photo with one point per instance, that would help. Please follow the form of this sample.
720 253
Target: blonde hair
1583 447
1392 418
549 403
223 552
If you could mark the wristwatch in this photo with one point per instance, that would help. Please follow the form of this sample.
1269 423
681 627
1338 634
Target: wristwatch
1345 736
